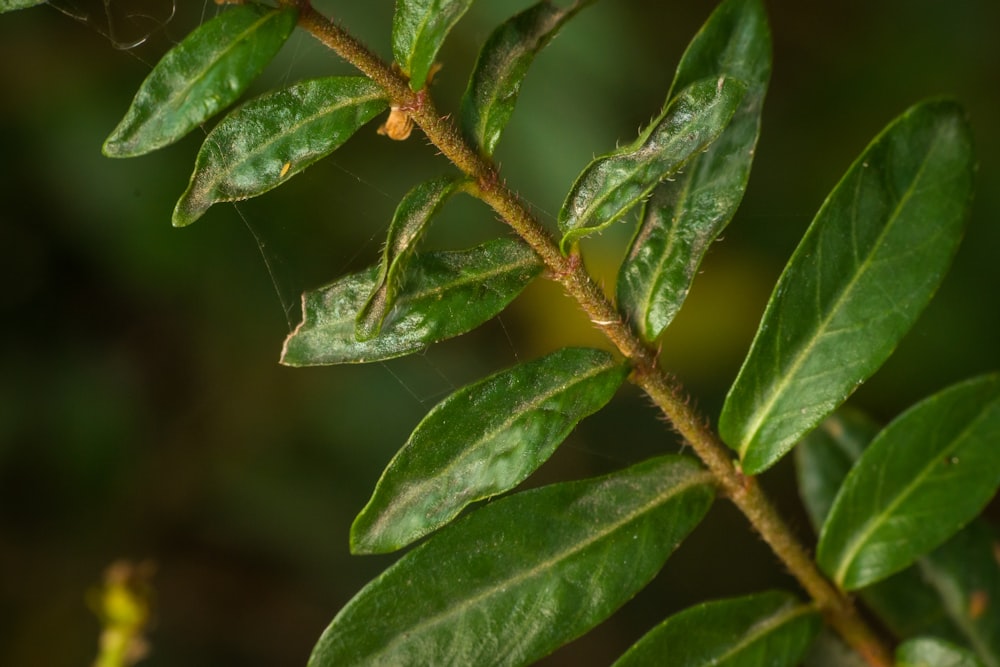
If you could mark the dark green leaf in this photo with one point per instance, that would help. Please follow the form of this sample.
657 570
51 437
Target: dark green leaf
826 455
770 628
828 650
481 441
419 27
502 65
950 592
199 77
864 271
11 5
408 224
612 184
275 136
965 575
925 476
523 575
686 213
932 652
445 294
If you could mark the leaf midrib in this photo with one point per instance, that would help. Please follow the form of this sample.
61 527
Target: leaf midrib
407 299
223 175
487 435
538 39
877 521
499 587
780 389
650 286
642 163
760 630
196 80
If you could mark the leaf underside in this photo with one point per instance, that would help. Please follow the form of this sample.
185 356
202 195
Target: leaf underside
199 77
266 141
482 441
523 575
925 476
686 213
445 294
770 628
409 222
867 266
610 186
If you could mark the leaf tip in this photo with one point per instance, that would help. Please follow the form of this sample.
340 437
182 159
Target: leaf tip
366 539
113 148
186 211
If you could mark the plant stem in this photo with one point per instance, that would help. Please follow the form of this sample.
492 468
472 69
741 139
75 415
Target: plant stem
744 491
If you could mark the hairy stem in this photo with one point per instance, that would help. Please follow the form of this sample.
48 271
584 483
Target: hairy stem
744 491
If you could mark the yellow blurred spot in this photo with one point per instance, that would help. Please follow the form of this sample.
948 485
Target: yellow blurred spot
123 604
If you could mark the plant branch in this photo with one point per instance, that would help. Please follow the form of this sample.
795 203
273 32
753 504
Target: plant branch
744 491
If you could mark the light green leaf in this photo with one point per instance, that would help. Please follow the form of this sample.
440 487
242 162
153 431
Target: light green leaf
266 141
867 266
951 592
481 441
926 475
521 576
11 5
502 64
933 652
612 184
408 224
687 212
199 77
419 28
445 294
770 628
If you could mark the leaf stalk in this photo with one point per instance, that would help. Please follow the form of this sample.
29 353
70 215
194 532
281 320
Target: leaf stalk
666 392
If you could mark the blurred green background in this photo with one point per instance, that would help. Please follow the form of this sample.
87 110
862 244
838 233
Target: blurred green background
143 414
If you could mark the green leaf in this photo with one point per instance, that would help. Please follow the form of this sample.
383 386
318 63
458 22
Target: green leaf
523 575
686 213
612 184
408 224
11 5
266 141
770 628
867 266
481 441
925 476
445 294
502 64
965 575
419 27
950 592
825 456
828 650
199 77
932 652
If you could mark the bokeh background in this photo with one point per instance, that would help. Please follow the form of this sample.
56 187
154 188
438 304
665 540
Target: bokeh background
143 414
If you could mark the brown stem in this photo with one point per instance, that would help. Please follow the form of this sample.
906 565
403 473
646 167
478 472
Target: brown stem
742 490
